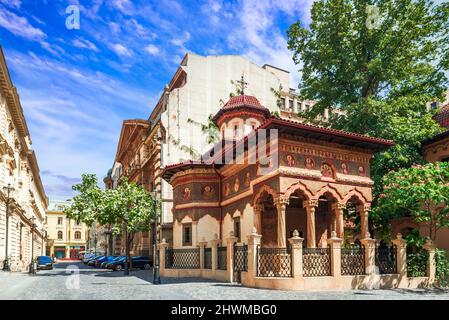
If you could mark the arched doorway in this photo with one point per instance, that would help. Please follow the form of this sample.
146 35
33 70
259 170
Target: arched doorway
295 216
325 220
352 221
268 218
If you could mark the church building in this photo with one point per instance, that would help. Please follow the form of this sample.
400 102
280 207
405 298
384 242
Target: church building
276 175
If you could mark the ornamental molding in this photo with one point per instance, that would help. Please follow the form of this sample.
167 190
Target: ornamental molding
324 149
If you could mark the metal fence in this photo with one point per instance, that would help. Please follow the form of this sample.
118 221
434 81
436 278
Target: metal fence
182 258
274 262
207 258
316 262
240 261
386 259
222 257
353 261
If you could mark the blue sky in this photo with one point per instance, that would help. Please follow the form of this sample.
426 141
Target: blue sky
77 86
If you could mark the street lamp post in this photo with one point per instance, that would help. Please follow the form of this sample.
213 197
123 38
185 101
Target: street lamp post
8 191
33 227
156 276
44 238
126 272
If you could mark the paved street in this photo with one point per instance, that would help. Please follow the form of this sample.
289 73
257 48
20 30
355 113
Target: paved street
61 284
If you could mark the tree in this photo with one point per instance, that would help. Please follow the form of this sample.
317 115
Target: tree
88 203
378 62
420 191
130 209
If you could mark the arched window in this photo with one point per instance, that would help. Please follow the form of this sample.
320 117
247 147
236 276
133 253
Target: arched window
77 235
59 235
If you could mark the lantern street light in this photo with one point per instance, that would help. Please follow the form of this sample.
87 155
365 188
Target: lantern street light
33 227
156 276
8 190
126 272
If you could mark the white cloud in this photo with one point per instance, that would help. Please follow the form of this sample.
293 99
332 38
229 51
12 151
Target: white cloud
121 50
152 49
12 3
84 44
20 26
124 6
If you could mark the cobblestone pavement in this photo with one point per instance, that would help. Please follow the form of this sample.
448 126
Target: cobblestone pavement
61 284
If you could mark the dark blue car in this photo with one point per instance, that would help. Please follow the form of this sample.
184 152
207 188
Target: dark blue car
103 259
44 263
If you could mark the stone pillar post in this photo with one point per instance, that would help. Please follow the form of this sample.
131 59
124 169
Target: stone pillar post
363 210
401 256
230 255
295 105
296 246
202 244
286 103
194 233
162 246
257 210
335 249
310 206
370 255
281 205
253 244
214 245
340 228
431 264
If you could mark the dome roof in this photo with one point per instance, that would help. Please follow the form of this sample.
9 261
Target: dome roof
242 102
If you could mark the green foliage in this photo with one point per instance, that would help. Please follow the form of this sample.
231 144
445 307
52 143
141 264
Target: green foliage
88 203
421 191
128 206
442 268
379 70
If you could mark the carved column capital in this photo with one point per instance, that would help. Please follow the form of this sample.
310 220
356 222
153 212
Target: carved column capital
281 202
311 203
258 208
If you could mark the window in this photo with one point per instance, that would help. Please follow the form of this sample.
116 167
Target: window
283 103
59 235
253 125
60 221
307 107
237 228
77 235
236 129
187 234
290 105
434 105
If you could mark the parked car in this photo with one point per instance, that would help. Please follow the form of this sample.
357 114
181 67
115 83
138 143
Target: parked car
137 262
81 254
106 263
87 257
44 263
98 262
92 261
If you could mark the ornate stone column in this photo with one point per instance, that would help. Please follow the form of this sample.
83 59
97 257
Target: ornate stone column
202 244
296 245
370 254
230 255
253 243
214 245
401 259
364 210
162 246
258 210
431 265
281 205
335 249
340 229
310 207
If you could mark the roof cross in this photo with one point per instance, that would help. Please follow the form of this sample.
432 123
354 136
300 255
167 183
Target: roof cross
242 84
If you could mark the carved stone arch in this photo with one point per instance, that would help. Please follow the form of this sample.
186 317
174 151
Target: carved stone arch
298 186
234 214
357 194
262 190
328 189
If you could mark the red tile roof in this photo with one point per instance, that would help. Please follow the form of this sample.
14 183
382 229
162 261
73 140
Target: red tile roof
442 117
242 101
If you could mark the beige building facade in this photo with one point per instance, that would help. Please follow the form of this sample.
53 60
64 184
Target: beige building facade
22 197
65 237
